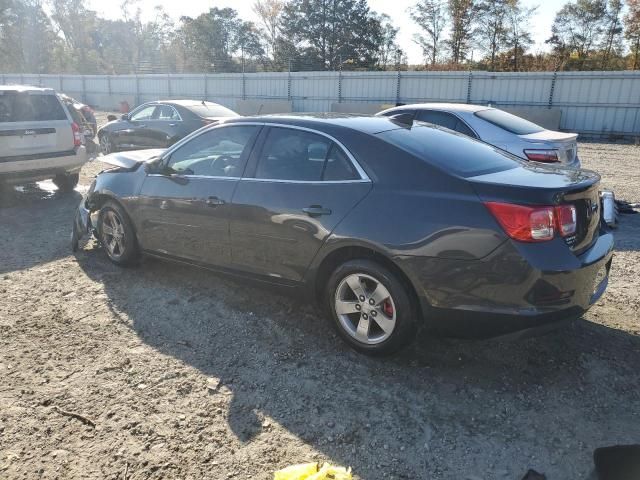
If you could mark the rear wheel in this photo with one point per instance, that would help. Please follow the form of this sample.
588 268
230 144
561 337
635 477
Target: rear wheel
371 307
117 235
67 182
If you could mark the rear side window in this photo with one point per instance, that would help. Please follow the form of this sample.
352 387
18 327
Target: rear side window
297 155
509 122
25 107
438 118
211 110
453 153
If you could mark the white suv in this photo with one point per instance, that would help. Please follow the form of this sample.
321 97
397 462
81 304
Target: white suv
38 138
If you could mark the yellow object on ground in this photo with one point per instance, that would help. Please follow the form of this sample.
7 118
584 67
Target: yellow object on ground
311 471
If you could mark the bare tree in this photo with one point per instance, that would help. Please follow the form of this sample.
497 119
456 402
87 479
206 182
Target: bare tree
518 34
462 14
492 26
270 12
632 33
431 17
613 30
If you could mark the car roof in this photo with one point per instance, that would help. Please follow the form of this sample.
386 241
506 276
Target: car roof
451 107
186 103
321 121
26 88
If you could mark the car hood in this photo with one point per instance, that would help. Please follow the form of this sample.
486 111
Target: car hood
550 136
133 158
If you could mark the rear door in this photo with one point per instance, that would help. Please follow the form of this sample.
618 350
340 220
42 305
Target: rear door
184 207
165 128
297 189
33 124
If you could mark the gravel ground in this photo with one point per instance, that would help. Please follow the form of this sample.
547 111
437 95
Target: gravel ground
165 371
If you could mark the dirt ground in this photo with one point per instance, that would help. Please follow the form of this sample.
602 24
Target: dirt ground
165 371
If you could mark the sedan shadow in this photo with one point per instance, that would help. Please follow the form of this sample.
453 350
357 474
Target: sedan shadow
31 216
439 408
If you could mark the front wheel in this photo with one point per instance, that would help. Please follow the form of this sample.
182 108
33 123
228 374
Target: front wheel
371 307
66 183
117 235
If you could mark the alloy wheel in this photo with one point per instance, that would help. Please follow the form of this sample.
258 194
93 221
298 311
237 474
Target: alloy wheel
113 234
105 144
365 308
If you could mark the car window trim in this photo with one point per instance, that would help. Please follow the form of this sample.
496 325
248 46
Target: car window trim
364 178
455 114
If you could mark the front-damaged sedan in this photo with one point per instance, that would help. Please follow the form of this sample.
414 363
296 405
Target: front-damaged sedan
389 226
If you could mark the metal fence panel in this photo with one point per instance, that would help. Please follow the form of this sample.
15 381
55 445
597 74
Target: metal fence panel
600 103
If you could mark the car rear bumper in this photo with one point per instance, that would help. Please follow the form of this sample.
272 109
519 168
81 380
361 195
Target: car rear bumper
515 288
33 169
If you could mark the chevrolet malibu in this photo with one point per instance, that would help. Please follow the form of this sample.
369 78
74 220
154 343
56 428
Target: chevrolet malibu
390 226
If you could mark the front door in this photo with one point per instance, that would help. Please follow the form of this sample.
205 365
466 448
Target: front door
298 188
184 207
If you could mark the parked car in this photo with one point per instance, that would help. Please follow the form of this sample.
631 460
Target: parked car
159 124
390 227
38 138
509 132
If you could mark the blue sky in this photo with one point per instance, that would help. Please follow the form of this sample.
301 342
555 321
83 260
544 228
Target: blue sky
396 9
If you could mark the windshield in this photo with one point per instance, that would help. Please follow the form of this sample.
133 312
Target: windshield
211 110
452 152
510 123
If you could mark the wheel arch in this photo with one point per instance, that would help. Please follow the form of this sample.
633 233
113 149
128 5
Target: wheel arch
339 255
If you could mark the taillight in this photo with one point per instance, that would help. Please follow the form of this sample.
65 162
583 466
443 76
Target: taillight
77 136
566 219
534 224
546 156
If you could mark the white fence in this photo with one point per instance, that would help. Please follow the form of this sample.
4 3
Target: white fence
592 103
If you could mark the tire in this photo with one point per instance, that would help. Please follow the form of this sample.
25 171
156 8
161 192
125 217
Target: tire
106 145
66 183
121 247
389 314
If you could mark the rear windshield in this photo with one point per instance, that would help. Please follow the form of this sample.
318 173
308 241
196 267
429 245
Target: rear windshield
211 110
25 107
508 122
452 152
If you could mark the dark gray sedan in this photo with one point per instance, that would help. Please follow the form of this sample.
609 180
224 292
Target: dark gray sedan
159 124
390 226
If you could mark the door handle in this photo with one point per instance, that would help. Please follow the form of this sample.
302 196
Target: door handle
316 211
173 124
164 205
214 202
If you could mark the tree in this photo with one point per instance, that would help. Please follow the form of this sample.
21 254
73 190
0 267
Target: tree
328 33
270 13
431 17
492 26
209 41
632 33
518 37
578 28
612 31
462 14
388 46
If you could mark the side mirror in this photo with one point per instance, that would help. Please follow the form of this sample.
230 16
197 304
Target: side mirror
125 117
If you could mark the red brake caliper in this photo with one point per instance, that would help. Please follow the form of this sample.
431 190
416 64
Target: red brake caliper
387 308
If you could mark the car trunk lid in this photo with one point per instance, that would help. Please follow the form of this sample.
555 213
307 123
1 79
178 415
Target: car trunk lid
541 185
565 143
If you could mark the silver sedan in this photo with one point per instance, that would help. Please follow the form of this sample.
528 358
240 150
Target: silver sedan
499 128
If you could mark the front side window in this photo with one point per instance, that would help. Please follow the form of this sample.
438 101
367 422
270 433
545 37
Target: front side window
217 153
438 118
297 155
145 113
